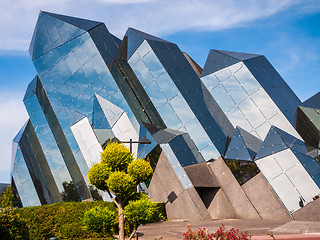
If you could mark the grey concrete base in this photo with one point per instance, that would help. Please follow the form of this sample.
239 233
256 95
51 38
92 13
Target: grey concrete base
233 191
310 212
216 194
180 203
264 199
220 207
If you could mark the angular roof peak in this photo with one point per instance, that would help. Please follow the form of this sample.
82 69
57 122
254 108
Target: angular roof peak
238 55
77 22
53 30
136 37
219 59
312 102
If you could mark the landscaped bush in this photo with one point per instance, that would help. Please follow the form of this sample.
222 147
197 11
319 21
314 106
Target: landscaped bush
62 220
220 234
142 211
100 219
12 227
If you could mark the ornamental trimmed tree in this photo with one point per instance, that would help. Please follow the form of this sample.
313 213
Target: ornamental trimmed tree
118 174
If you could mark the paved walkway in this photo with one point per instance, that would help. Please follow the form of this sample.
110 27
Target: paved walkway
258 229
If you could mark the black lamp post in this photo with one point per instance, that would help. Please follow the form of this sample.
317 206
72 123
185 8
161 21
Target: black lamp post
143 140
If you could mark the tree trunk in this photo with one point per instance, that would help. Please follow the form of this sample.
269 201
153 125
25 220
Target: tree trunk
121 221
132 234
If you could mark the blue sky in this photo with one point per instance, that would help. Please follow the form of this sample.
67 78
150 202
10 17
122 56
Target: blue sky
287 32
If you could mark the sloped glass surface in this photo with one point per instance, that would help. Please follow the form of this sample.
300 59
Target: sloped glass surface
273 143
145 149
216 61
50 33
176 166
286 192
313 102
269 167
78 22
237 149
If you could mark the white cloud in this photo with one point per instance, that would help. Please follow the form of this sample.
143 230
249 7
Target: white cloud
158 17
12 117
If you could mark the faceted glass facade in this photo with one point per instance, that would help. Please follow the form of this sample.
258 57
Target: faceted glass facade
93 88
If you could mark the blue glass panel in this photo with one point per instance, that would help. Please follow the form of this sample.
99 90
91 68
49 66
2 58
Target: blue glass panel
234 89
310 165
145 149
169 117
222 98
48 32
181 108
217 61
153 64
166 85
210 81
176 166
154 92
109 83
142 73
273 143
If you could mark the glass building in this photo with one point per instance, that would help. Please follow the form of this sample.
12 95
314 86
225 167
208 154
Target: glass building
92 88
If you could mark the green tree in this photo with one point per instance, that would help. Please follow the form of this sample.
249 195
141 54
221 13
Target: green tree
7 199
118 174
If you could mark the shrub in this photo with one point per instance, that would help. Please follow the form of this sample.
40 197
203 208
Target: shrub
100 219
7 199
12 227
140 170
220 234
62 220
142 211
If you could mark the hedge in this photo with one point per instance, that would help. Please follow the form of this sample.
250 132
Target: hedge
62 220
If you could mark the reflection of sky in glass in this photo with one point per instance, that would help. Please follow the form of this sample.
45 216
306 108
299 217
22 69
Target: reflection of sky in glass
181 108
176 166
246 79
23 181
285 169
252 113
169 117
223 98
286 192
71 74
234 89
47 142
165 83
256 113
165 96
154 92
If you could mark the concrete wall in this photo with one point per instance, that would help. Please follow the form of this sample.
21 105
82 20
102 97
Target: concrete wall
221 208
264 199
310 212
180 203
241 204
201 176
